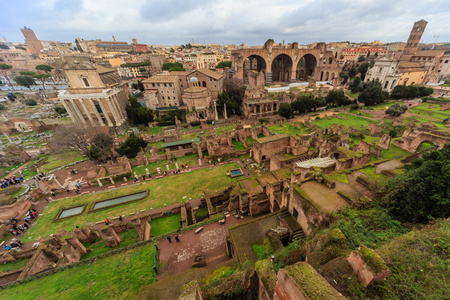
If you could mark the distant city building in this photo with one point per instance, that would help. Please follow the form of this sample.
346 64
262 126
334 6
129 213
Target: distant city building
96 95
352 54
162 91
33 44
140 48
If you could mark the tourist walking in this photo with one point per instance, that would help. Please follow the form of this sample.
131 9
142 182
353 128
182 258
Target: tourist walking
169 239
177 239
120 218
107 221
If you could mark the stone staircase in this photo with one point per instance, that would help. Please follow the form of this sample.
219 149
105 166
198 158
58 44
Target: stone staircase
297 233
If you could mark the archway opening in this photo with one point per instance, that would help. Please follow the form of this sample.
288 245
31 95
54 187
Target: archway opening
306 67
254 64
282 68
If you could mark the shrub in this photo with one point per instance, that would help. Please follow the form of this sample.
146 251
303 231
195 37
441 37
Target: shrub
30 102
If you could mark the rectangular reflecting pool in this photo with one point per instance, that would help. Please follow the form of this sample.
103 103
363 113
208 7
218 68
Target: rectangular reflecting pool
70 212
116 201
236 172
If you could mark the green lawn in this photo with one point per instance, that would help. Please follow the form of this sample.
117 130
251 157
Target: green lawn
381 106
58 160
166 190
165 224
353 96
154 130
222 129
118 276
354 121
287 128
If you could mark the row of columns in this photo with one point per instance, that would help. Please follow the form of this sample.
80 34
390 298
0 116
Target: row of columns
76 107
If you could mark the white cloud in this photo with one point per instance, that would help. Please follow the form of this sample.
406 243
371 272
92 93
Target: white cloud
229 21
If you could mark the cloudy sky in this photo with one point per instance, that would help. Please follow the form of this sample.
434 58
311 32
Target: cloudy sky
174 22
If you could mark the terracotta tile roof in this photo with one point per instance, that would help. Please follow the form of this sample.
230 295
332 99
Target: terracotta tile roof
209 73
161 78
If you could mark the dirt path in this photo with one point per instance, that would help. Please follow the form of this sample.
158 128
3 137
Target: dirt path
389 165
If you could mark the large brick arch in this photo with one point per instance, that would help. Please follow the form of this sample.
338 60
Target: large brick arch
269 53
412 140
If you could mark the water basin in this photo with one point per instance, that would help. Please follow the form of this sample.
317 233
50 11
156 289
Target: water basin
70 212
236 172
112 202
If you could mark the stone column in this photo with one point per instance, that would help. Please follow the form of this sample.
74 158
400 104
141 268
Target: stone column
119 112
69 110
216 116
105 112
78 112
87 112
99 118
225 111
113 111
121 108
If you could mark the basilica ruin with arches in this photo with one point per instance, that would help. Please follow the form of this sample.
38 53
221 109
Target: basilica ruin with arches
278 63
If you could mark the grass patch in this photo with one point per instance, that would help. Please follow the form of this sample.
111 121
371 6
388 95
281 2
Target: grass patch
370 172
58 160
287 128
371 227
339 177
353 96
188 159
9 266
165 224
263 251
354 121
238 145
119 276
202 214
165 190
222 129
249 141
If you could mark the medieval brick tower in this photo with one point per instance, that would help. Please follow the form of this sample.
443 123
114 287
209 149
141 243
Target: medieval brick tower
33 44
414 39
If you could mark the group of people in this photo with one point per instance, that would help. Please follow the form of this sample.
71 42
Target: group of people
107 221
77 191
10 181
177 239
16 229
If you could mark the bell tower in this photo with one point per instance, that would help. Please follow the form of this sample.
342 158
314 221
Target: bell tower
414 39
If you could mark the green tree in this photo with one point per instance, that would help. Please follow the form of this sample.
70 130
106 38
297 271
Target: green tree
224 64
101 147
30 102
176 69
168 66
344 76
285 110
2 107
337 98
362 69
372 94
352 72
393 133
4 69
47 69
131 146
422 192
396 110
27 73
232 101
137 114
361 58
304 103
399 92
138 85
354 84
60 110
25 81
41 77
